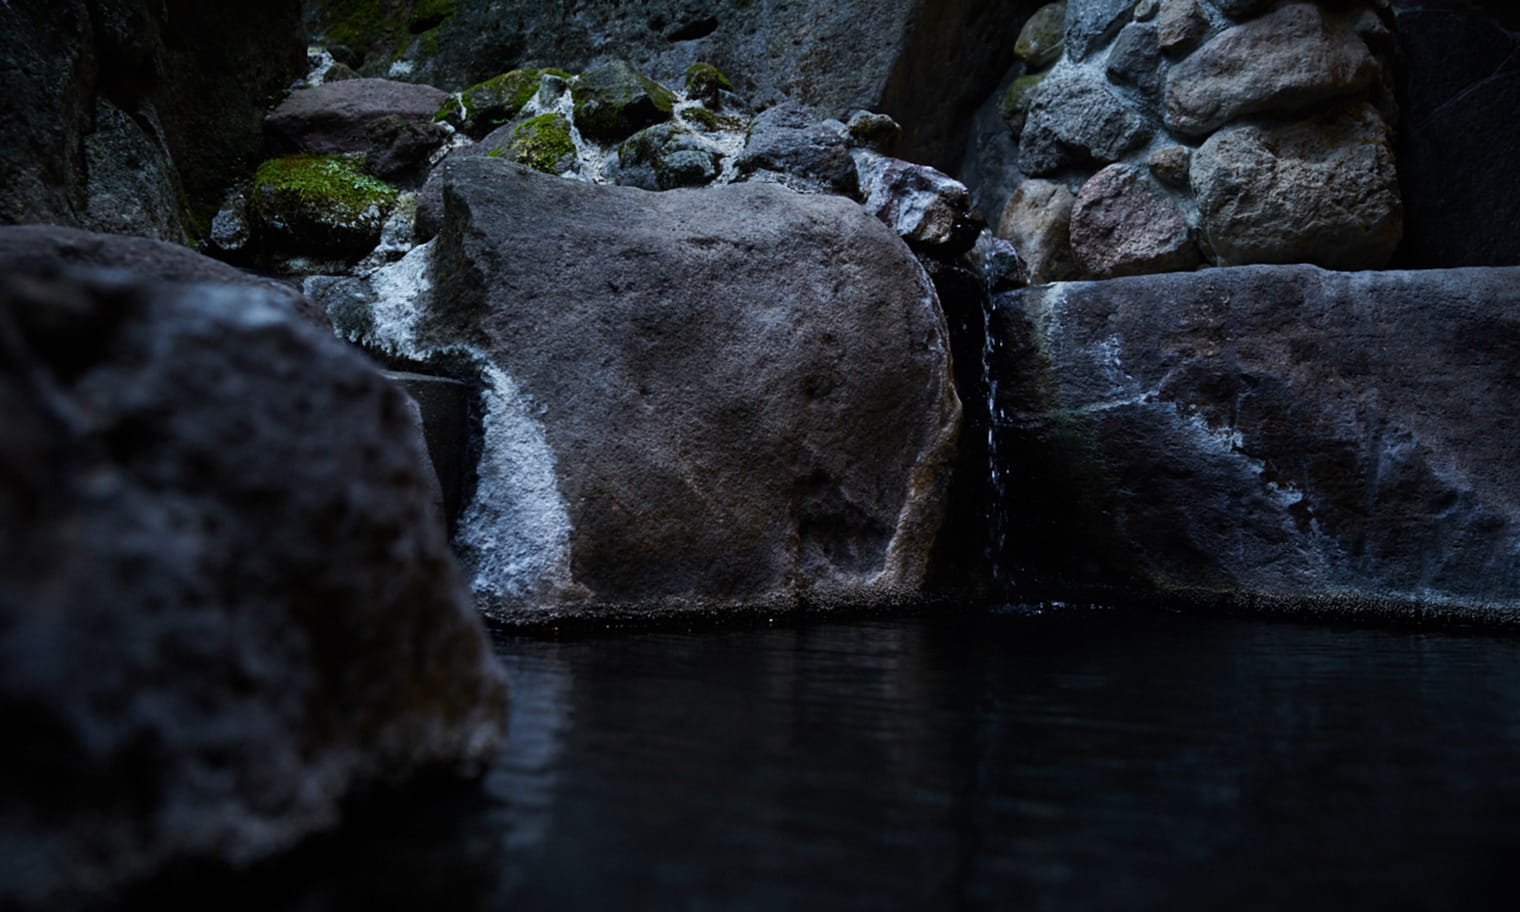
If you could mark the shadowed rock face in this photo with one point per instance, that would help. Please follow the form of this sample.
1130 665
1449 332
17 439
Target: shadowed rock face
745 390
226 603
1279 431
126 115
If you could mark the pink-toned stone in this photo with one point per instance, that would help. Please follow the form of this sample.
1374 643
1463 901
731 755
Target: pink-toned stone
1121 224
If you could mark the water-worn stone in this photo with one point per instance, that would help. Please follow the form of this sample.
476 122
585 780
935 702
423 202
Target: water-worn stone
56 247
226 605
1074 119
1135 59
1289 58
1123 225
1458 71
1268 433
789 145
1037 219
1043 36
613 101
1322 190
928 209
336 117
743 393
1180 24
1090 24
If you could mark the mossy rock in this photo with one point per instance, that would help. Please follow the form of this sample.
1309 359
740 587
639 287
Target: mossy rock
1043 37
487 105
870 130
542 143
320 205
705 81
613 101
1015 103
709 122
664 157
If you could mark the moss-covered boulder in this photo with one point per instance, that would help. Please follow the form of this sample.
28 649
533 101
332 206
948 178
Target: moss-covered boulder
542 143
1043 37
613 101
374 34
706 82
663 157
487 105
319 205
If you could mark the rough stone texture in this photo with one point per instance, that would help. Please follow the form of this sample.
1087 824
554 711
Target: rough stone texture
1320 191
1180 25
664 157
1043 37
56 247
1074 119
1135 59
1170 165
746 391
1458 90
1090 24
1292 57
1239 9
926 208
788 145
337 116
1268 433
1121 224
226 604
191 82
1037 220
130 183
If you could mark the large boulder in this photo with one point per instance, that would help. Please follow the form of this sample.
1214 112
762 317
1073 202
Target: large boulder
1278 435
735 397
343 116
1322 190
226 602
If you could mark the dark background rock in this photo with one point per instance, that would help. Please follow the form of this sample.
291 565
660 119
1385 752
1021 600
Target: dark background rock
1267 432
226 604
181 82
927 64
746 390
1458 90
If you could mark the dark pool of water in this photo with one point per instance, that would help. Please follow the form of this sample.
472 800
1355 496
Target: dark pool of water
1006 762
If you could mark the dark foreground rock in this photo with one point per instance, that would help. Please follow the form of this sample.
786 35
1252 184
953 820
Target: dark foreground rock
225 602
730 397
54 247
1267 432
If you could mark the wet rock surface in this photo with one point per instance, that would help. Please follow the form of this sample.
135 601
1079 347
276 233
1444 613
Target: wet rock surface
797 422
225 602
1267 431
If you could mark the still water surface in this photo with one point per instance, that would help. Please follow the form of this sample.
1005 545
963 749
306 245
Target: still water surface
1102 762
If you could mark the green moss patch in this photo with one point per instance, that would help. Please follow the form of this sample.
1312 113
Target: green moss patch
542 143
487 105
320 203
613 101
705 81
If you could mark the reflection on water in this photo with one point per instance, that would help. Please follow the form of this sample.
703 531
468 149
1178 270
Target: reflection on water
978 763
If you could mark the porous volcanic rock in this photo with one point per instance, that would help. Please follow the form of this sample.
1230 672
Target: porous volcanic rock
744 393
226 602
1279 435
1121 224
1075 119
